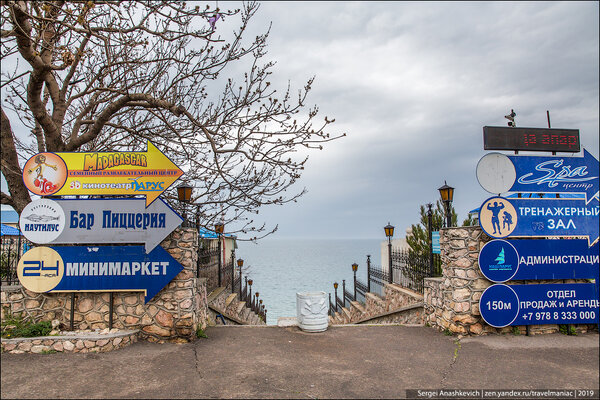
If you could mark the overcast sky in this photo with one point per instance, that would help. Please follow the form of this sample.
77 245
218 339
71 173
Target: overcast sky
412 85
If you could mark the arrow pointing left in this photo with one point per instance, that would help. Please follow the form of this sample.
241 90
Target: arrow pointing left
97 269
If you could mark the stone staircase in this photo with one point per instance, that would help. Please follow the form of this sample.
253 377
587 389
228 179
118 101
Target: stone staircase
221 301
398 306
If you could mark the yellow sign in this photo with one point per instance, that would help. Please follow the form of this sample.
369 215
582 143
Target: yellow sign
40 269
116 173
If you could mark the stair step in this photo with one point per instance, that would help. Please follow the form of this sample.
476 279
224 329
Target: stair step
240 307
358 306
229 299
345 313
214 294
246 313
405 291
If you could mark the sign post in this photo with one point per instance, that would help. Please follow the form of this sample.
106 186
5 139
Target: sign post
96 269
523 259
500 217
98 221
147 173
570 303
499 173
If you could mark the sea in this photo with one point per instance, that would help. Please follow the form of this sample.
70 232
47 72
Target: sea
280 268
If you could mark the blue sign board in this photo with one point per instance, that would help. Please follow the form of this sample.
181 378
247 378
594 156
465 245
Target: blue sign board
570 303
503 260
99 268
500 217
435 242
556 174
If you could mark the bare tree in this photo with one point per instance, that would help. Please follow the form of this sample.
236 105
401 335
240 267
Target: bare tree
106 75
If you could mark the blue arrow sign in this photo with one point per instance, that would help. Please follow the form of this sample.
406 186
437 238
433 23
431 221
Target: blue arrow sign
503 260
570 303
557 174
101 268
500 217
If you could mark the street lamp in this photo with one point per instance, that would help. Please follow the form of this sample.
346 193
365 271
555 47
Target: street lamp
354 269
240 264
219 228
184 195
335 286
249 302
447 194
389 232
255 301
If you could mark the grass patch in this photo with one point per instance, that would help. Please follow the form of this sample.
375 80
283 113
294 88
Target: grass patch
16 326
447 332
200 333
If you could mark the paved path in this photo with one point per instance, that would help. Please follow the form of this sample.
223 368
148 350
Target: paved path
343 362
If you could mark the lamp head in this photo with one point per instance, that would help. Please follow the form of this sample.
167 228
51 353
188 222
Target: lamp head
184 193
389 230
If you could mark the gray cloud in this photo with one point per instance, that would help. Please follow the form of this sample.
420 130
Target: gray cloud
413 84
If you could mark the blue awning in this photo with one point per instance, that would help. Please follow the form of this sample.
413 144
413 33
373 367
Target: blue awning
9 231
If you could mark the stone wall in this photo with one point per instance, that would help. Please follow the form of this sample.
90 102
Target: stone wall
452 301
173 314
83 343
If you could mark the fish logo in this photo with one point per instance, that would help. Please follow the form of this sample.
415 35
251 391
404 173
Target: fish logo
40 218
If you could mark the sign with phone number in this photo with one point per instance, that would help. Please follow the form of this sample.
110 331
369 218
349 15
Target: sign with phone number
570 303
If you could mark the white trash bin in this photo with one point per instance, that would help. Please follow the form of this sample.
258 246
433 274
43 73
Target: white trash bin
312 311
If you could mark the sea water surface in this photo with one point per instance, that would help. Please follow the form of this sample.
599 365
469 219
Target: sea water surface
280 268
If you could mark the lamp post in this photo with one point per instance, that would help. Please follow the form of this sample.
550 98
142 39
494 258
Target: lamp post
335 286
184 195
255 304
240 264
389 232
447 194
219 228
249 300
354 269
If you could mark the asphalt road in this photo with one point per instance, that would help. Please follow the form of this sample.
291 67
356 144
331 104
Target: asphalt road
343 362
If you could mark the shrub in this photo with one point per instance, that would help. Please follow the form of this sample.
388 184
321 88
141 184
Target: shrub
17 326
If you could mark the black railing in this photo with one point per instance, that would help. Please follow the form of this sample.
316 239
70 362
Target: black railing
208 263
377 279
332 308
361 291
339 303
11 250
411 269
251 300
348 297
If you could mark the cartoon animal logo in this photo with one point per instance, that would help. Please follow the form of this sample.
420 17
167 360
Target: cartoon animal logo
44 174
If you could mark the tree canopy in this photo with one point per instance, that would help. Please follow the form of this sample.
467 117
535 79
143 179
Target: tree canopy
418 239
107 75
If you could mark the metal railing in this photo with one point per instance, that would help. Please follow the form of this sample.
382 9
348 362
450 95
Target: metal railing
410 269
11 250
